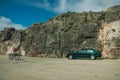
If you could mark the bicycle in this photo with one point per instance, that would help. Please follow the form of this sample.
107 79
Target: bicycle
14 56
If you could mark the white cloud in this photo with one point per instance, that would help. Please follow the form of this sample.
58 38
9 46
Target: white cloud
37 3
6 22
84 5
61 6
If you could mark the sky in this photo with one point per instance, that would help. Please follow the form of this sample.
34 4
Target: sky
21 14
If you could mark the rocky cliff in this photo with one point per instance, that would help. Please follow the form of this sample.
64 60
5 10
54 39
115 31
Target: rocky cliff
67 32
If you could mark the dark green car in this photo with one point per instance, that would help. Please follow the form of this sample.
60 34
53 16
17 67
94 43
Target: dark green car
90 53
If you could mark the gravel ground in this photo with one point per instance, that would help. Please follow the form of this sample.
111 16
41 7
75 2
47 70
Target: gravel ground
31 68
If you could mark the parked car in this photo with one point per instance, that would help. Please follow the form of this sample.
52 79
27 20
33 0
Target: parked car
90 53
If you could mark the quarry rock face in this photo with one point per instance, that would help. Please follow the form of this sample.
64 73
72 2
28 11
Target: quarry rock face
110 39
66 33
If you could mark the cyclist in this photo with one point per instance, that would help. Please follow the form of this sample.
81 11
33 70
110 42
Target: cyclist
15 51
14 54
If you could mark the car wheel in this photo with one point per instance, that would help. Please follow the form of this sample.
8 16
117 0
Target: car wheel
70 56
17 57
92 57
11 56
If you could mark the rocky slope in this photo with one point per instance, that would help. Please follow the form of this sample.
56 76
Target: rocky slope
67 32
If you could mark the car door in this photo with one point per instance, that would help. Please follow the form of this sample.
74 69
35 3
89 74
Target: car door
76 54
84 53
81 53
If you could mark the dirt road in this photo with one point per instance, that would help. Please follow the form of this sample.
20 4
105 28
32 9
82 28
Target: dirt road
30 68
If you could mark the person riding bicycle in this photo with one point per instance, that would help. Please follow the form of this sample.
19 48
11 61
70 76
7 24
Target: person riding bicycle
14 54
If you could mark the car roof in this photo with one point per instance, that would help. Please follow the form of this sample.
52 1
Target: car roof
87 49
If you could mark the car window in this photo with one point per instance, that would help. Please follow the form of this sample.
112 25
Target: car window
87 50
90 50
83 50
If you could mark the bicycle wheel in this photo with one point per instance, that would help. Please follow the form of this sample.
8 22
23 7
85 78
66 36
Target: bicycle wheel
11 56
17 57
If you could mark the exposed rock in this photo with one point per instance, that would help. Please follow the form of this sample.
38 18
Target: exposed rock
110 39
68 32
10 38
8 32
